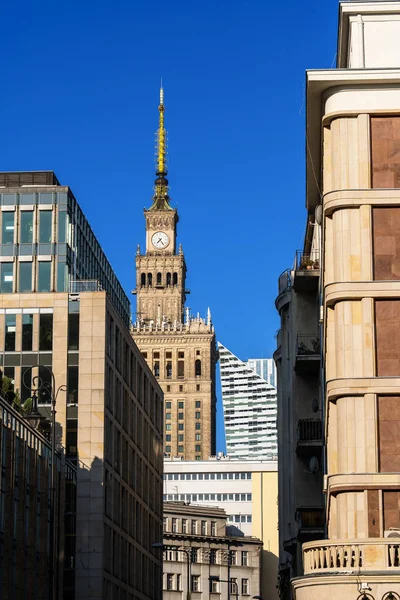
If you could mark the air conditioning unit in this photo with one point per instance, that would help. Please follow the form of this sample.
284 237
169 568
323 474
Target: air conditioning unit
393 532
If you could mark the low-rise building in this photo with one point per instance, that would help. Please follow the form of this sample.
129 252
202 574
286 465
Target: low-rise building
202 558
247 490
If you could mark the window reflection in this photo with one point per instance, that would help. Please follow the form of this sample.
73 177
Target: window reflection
7 228
26 227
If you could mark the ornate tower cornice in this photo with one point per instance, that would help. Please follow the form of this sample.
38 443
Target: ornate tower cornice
161 198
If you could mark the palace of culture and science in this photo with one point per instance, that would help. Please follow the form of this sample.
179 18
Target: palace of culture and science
179 349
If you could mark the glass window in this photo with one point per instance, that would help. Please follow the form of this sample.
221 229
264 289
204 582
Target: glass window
184 525
45 385
181 405
62 227
198 437
46 332
168 427
180 416
181 448
193 529
25 276
7 228
233 585
198 425
198 448
245 558
170 579
73 385
26 235
198 415
9 344
204 528
7 278
195 583
168 405
62 276
27 332
180 426
44 276
26 383
45 222
73 331
168 416
245 586
213 557
213 528
198 403
181 437
168 439
233 557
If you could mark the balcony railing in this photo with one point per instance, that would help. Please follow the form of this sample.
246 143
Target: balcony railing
284 282
308 345
307 262
84 285
341 555
309 430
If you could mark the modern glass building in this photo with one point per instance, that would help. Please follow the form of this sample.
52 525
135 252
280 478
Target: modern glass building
265 368
250 407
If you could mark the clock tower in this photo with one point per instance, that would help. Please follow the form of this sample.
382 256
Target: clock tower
179 349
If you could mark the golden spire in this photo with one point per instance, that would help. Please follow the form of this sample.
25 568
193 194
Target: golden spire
161 198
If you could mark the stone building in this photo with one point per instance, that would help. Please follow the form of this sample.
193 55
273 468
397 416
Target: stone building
353 165
179 349
202 559
63 309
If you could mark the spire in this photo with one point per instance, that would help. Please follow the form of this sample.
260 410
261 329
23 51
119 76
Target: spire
161 198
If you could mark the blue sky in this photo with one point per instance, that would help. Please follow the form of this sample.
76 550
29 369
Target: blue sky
79 96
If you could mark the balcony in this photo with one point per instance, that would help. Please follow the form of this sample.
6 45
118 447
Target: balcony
311 523
309 436
84 285
327 556
308 353
306 271
284 286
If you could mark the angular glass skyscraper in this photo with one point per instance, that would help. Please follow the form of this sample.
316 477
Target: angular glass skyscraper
250 406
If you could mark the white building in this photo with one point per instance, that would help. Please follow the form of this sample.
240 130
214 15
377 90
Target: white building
250 406
248 492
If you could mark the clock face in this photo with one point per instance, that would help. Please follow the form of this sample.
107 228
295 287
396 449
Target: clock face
160 240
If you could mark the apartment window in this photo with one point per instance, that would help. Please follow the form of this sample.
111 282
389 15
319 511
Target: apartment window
181 404
181 449
181 388
195 583
170 581
156 369
198 425
72 384
204 528
184 526
198 437
197 457
213 528
27 332
234 585
168 405
181 437
26 236
168 438
165 524
181 369
193 529
9 344
198 415
168 427
44 273
178 582
197 387
197 448
156 355
245 558
245 587
168 416
46 332
214 586
198 403
198 368
174 525
45 219
195 555
7 278
45 393
180 427
181 416
168 355
168 369
25 277
7 228
73 331
168 388
233 557
213 557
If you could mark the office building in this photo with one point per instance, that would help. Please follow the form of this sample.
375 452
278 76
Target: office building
265 368
179 348
250 408
200 551
353 200
110 420
247 490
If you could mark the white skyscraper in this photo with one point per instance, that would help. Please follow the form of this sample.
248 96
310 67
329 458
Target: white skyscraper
250 406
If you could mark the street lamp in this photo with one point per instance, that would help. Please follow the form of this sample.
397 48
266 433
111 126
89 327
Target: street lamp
180 549
228 581
38 387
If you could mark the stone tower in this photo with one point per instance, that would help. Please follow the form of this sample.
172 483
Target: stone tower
179 349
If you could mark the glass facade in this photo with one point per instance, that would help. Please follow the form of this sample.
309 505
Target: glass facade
25 277
6 278
7 228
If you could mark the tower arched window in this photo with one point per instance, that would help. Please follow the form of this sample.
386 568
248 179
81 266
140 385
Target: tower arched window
143 279
168 279
175 279
197 367
149 279
159 278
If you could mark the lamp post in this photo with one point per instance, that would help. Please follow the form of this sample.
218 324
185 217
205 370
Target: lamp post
228 581
180 549
37 387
